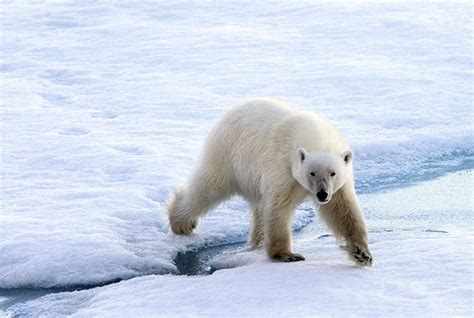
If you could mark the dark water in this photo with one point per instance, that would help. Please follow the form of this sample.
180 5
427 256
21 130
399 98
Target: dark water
196 262
20 295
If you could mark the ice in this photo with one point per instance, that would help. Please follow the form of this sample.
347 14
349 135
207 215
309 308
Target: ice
105 107
416 273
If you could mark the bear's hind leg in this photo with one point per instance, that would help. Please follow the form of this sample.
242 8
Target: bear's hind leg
188 205
181 223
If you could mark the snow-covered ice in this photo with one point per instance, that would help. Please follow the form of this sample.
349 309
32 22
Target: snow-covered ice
105 106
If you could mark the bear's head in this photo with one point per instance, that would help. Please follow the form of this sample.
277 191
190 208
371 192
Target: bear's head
322 174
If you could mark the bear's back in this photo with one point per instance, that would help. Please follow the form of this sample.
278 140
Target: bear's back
246 128
262 135
239 142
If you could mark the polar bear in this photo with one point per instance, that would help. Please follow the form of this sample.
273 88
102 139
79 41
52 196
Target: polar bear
275 156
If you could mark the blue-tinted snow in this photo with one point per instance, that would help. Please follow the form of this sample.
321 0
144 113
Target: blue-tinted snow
105 106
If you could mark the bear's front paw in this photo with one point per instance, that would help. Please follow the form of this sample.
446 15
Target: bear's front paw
361 255
288 257
183 227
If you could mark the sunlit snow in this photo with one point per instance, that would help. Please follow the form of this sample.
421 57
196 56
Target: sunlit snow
105 107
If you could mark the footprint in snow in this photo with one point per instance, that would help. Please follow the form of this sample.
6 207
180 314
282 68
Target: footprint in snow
130 149
65 77
74 131
55 98
118 173
104 115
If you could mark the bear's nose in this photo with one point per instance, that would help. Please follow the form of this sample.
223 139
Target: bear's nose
322 195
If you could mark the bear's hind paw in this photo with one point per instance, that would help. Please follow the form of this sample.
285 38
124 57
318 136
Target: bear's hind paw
185 228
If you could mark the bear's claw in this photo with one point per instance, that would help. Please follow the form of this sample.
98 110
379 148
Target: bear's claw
288 257
361 255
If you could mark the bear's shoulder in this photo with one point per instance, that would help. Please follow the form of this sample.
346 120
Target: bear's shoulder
315 133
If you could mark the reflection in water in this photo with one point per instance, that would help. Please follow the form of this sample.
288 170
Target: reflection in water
196 262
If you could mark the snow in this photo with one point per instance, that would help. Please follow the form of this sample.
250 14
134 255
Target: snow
105 107
418 271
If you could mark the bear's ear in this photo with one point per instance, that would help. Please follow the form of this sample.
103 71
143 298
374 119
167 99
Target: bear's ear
302 154
348 156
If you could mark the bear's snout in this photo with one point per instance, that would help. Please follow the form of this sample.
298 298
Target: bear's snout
322 196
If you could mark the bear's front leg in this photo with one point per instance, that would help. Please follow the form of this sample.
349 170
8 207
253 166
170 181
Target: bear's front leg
344 216
277 227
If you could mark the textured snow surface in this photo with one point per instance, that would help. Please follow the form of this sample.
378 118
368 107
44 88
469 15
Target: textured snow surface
105 106
419 271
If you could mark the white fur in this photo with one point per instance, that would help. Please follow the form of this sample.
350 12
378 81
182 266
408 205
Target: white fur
255 151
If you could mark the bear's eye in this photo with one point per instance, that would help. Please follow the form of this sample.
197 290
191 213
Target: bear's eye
332 174
312 174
